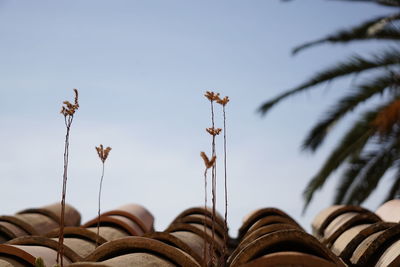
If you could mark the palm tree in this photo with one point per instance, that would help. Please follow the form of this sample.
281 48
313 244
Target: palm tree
371 146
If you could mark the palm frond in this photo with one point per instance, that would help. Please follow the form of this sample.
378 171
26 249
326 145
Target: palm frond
371 146
395 188
359 32
354 140
353 169
387 118
380 2
345 105
385 23
354 65
382 159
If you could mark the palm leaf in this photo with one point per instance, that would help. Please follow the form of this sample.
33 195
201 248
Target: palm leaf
360 32
395 188
372 173
387 118
354 65
354 140
364 92
353 169
380 2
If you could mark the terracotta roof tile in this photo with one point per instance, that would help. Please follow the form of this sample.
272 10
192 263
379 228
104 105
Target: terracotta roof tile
344 222
326 216
36 221
347 242
289 258
390 211
344 235
391 256
292 240
371 248
111 252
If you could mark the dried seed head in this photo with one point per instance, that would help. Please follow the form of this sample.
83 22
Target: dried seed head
106 152
99 150
214 131
212 96
76 97
69 109
207 162
103 153
223 101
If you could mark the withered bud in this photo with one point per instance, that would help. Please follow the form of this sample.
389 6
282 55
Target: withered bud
103 153
212 96
223 101
69 109
214 131
208 163
76 97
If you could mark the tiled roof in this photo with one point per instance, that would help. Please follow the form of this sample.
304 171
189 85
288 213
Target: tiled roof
360 237
342 236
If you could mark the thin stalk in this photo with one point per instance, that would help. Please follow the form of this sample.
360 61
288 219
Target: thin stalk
103 154
60 251
208 163
98 213
213 185
205 227
213 97
226 192
68 111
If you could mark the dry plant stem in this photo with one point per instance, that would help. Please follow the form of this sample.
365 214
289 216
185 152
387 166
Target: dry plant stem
208 164
98 212
103 154
68 110
213 185
213 97
205 227
223 103
60 252
226 192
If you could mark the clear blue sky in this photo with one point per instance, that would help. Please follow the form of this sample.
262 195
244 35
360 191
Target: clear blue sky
142 68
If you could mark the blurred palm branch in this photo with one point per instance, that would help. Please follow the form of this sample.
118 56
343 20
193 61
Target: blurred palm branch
371 146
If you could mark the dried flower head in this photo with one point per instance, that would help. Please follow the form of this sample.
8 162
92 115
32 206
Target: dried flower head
207 162
214 131
103 153
69 109
223 101
212 96
76 97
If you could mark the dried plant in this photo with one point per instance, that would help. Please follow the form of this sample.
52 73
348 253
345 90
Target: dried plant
223 103
68 111
212 96
209 163
214 131
103 155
